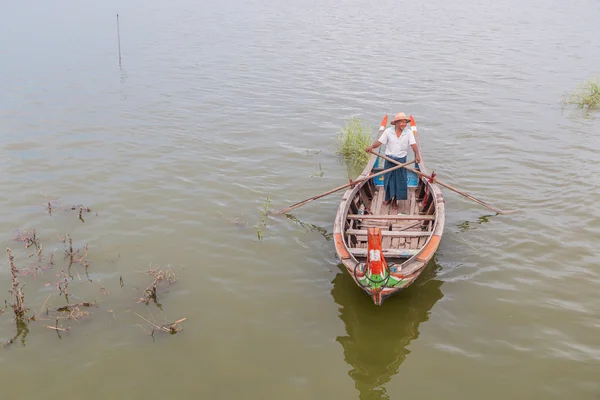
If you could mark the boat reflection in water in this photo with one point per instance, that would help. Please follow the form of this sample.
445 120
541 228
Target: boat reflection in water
378 336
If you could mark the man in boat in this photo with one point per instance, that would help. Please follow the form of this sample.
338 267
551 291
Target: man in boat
397 138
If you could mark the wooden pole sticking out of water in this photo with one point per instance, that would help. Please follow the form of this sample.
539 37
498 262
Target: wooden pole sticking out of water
119 39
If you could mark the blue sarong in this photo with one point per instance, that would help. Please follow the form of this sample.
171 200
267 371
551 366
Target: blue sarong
395 182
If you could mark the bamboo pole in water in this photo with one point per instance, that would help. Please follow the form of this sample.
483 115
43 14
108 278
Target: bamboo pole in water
119 39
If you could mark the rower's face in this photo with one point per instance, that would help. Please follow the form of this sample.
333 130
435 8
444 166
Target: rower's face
401 124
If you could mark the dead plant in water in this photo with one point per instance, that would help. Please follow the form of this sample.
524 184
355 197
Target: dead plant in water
233 220
171 327
30 239
17 290
74 311
69 253
263 219
62 285
81 210
68 312
160 276
75 256
57 328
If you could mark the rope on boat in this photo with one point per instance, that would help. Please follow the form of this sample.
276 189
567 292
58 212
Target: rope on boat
385 281
430 180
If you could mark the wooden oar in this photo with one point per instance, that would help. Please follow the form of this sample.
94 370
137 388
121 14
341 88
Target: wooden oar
303 202
447 186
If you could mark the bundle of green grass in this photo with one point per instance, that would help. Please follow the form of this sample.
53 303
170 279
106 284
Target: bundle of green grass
352 143
586 97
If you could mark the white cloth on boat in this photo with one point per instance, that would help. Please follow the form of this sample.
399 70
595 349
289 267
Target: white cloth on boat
397 146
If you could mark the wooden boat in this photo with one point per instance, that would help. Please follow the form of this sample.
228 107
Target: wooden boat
385 250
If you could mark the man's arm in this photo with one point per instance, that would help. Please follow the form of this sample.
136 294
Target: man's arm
416 150
373 146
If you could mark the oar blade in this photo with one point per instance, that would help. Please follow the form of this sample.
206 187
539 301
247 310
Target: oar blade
413 124
384 122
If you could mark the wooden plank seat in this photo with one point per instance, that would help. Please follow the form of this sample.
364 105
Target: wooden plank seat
376 224
399 253
363 232
392 217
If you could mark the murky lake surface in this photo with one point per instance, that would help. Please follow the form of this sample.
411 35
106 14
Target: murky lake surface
217 107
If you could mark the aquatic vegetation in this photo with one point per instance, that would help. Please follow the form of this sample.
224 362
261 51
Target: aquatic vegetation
31 263
586 97
466 225
263 219
233 220
172 327
318 174
352 143
151 292
17 289
310 227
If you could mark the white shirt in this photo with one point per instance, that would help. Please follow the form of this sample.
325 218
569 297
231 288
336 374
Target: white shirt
397 146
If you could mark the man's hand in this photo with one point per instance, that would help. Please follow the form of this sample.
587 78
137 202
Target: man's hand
416 151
